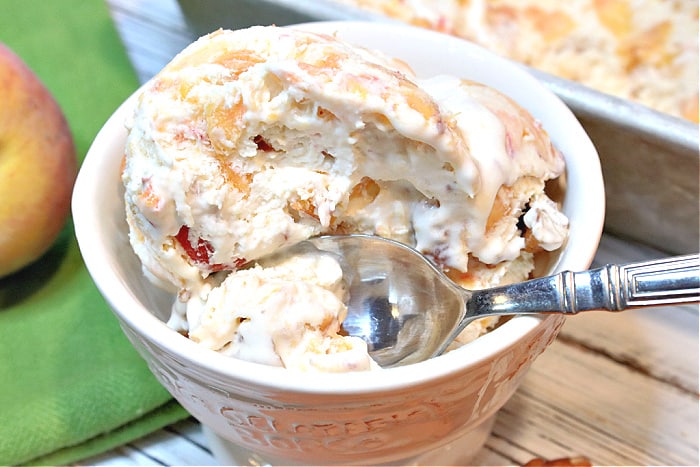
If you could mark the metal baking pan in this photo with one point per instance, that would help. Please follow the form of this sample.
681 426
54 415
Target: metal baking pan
650 160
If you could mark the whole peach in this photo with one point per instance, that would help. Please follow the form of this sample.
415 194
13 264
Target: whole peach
37 165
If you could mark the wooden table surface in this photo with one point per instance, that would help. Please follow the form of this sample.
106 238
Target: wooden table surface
619 389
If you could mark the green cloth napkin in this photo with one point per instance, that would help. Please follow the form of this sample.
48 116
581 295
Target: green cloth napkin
71 385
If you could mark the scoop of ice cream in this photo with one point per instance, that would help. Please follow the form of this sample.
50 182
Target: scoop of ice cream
285 311
250 141
253 140
515 157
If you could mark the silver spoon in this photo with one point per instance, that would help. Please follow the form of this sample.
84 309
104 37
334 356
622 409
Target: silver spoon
408 311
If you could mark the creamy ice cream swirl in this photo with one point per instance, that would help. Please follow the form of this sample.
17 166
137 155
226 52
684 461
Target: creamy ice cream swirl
254 140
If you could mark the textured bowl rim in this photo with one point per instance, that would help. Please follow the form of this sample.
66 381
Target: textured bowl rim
587 225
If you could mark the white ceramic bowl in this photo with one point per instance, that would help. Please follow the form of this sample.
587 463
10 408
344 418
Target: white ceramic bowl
435 412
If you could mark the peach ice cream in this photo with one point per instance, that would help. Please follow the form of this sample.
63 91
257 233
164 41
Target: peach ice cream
252 141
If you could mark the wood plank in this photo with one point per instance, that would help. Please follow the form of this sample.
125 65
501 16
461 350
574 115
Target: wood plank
170 448
122 456
575 402
661 342
180 444
191 430
152 35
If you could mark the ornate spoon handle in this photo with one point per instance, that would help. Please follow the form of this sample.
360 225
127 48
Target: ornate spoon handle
657 282
612 287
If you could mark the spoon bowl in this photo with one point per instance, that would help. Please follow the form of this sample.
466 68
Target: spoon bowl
407 310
